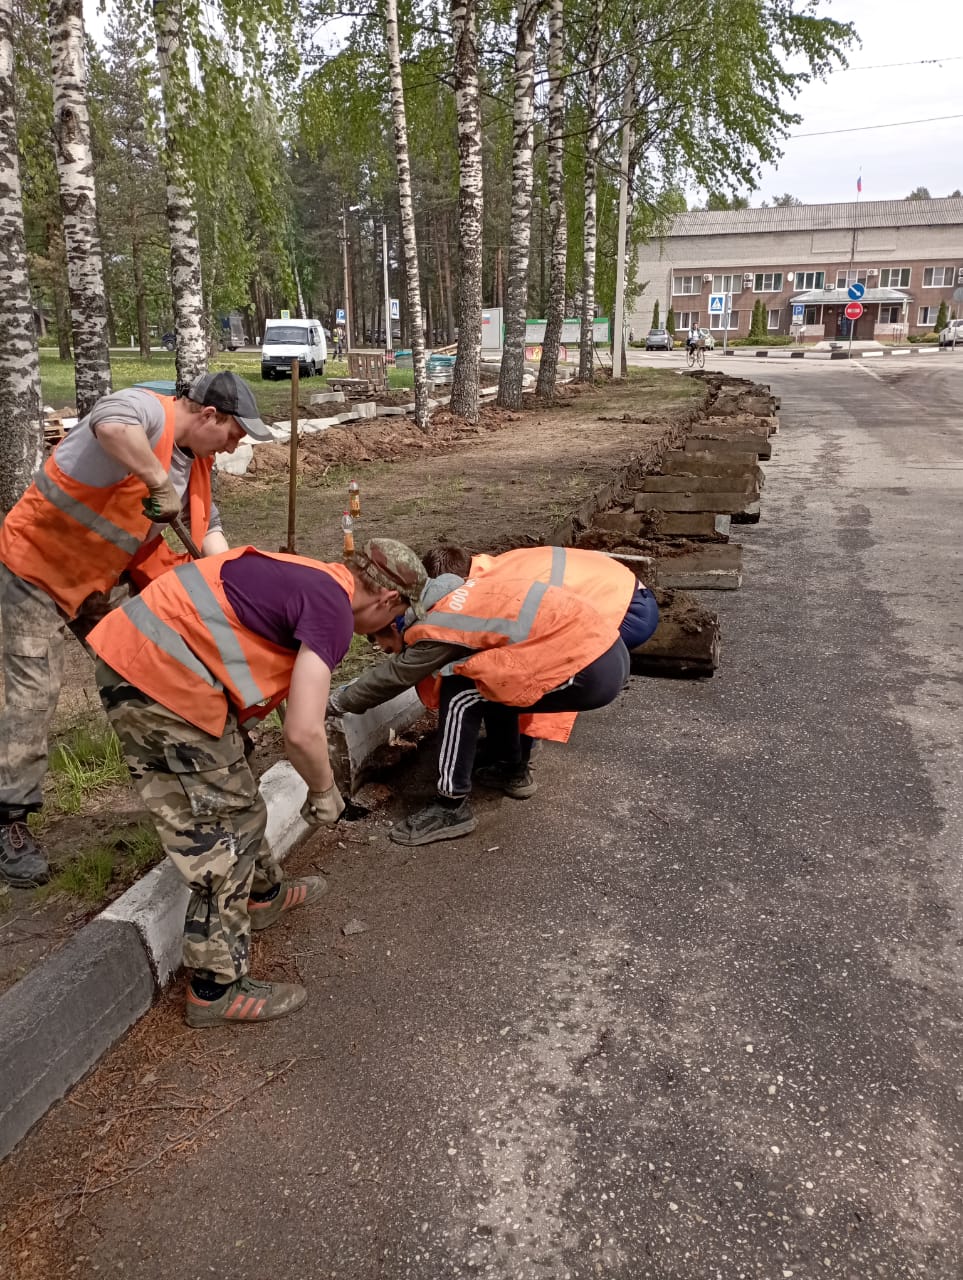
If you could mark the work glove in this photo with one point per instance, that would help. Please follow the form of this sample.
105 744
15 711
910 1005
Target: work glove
163 503
334 699
323 808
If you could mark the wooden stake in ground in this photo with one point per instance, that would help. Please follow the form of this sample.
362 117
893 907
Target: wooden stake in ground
293 463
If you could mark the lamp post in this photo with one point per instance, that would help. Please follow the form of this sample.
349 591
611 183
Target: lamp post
347 277
389 337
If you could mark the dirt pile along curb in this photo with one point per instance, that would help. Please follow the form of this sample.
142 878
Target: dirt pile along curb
57 1022
674 530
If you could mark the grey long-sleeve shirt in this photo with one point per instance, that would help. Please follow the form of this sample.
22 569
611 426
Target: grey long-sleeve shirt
399 672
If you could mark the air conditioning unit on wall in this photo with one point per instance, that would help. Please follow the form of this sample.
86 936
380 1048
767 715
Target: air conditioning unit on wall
707 278
959 275
747 278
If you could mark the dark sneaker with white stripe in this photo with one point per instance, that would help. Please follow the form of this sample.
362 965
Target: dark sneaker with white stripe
22 862
514 779
437 822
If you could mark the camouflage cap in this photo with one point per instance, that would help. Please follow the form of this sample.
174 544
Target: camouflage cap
387 563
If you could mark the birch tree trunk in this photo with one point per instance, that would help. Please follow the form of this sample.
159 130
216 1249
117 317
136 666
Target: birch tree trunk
187 294
586 362
555 312
408 237
523 115
78 203
21 424
464 33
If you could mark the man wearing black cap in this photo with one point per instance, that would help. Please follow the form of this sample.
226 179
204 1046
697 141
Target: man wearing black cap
93 517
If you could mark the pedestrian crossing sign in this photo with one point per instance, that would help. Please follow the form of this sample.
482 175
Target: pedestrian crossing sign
717 303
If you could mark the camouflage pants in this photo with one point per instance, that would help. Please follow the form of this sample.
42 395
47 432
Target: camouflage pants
210 817
33 666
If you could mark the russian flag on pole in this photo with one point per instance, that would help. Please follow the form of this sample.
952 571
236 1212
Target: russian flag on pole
859 183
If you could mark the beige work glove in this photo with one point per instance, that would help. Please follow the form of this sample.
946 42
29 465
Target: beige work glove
323 808
163 502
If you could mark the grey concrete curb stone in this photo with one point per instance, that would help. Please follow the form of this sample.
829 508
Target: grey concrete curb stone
58 1020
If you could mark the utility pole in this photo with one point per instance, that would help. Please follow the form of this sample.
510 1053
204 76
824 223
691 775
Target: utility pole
347 278
389 337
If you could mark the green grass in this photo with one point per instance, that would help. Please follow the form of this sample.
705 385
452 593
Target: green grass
274 398
87 759
120 857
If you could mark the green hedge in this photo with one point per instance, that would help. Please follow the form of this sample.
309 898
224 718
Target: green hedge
924 337
778 341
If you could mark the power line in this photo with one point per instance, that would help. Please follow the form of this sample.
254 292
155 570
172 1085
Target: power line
921 62
863 128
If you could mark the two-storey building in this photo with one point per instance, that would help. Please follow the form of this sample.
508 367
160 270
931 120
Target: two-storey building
800 260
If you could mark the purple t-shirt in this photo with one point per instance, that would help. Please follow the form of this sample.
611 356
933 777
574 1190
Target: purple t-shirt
290 604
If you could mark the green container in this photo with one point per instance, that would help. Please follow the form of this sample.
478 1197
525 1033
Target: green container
403 360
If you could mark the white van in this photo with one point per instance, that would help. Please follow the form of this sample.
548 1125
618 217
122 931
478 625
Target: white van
286 339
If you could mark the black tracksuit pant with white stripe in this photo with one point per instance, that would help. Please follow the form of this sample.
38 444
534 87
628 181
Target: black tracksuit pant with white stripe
463 709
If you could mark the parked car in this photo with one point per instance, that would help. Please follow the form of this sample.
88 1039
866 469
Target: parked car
954 328
658 340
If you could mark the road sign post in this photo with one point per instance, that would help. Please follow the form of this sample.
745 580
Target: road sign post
852 313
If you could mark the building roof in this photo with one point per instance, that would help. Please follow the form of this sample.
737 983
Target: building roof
839 297
820 217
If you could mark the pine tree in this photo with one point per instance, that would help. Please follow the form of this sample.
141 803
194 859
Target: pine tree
670 321
941 318
655 315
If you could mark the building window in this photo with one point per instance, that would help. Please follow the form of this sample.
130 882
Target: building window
724 284
772 318
715 320
855 276
687 318
937 277
891 315
810 280
894 278
687 284
814 315
927 315
768 282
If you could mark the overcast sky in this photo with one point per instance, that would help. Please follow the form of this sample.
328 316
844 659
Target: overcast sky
893 161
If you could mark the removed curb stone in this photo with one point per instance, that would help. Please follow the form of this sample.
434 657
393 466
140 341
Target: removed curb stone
696 524
720 503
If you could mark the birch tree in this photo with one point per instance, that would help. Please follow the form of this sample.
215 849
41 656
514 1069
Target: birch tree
558 222
408 237
464 34
78 202
586 360
523 116
21 424
188 297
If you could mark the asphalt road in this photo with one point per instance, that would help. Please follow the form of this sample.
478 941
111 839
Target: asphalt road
694 1010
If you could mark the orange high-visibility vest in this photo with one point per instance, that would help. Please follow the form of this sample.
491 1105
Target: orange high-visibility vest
71 539
529 637
181 643
603 582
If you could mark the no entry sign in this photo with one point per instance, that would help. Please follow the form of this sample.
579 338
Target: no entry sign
854 310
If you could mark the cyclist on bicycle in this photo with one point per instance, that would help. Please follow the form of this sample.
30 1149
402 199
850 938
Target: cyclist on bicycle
694 338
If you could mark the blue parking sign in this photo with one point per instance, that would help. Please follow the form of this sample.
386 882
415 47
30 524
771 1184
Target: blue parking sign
339 316
798 310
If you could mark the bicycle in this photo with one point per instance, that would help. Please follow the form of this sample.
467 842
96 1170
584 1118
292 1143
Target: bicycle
695 356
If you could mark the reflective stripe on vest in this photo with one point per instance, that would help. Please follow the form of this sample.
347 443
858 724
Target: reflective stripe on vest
221 632
80 512
513 630
557 576
167 639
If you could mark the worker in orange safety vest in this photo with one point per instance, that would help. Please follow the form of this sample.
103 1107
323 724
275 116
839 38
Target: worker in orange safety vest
505 645
180 668
94 514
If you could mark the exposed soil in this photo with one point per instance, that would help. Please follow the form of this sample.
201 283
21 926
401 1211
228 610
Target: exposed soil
516 478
